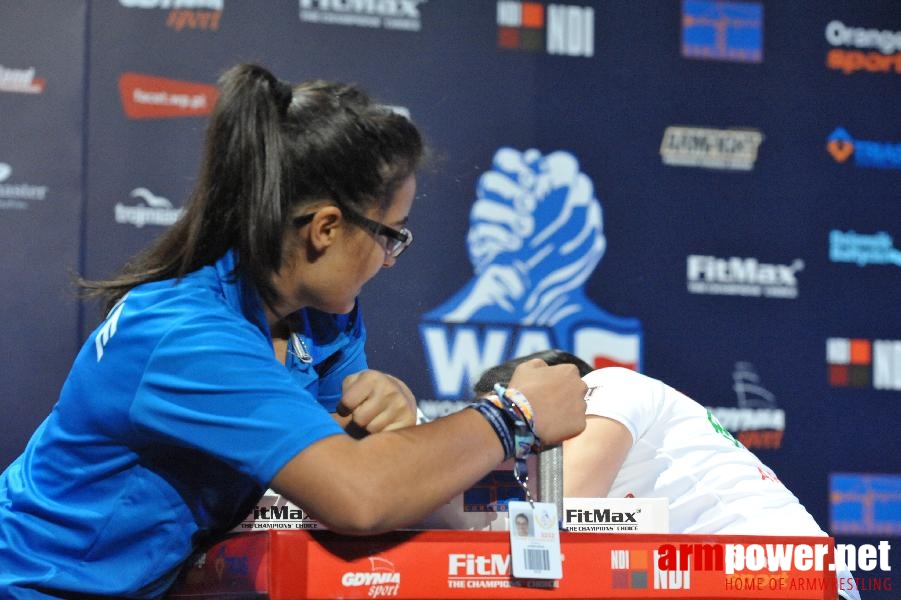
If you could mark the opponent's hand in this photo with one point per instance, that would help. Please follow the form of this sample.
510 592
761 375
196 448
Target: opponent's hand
557 396
373 401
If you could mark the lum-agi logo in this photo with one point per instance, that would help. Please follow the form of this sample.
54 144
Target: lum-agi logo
535 237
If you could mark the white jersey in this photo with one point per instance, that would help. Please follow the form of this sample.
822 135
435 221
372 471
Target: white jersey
681 452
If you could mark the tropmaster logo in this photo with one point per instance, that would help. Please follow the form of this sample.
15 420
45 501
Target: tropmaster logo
558 29
199 15
864 363
535 237
150 209
20 81
153 97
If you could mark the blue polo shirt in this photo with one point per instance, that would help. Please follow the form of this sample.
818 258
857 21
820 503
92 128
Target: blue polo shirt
171 424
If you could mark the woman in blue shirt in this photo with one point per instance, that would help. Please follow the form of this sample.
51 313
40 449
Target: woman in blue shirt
179 410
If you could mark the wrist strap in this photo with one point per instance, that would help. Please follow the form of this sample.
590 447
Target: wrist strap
496 418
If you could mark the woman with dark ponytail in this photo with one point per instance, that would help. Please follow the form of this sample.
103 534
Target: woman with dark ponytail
226 346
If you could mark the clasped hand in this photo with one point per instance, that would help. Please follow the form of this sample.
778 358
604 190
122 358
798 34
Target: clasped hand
374 401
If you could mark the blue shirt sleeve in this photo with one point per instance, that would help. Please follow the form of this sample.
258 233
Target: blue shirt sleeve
215 386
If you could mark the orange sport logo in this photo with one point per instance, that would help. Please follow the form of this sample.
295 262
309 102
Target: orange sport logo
860 49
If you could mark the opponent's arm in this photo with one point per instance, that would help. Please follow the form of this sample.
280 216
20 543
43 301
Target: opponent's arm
592 459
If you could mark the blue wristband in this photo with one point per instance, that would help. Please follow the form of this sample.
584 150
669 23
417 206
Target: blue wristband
499 421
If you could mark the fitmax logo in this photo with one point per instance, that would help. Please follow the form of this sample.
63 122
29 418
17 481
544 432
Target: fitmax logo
736 276
471 565
599 516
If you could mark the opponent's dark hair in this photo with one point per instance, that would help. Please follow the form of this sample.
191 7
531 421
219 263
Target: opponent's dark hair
503 372
270 147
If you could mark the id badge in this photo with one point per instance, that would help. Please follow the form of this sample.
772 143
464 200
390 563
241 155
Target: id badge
535 540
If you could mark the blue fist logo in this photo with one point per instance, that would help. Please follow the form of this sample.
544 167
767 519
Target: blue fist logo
536 234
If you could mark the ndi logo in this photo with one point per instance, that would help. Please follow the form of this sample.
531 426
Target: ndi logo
855 362
566 31
535 237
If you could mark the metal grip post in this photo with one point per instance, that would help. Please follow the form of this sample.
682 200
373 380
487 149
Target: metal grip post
550 476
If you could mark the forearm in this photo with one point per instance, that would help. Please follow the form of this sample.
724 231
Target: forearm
390 479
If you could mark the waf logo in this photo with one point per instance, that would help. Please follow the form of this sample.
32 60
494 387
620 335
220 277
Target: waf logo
535 237
151 97
560 30
382 579
731 31
201 15
855 362
872 154
21 81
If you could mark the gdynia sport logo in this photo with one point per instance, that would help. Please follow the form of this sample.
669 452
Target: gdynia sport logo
536 234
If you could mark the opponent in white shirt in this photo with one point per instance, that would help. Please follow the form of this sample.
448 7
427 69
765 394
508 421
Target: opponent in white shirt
645 439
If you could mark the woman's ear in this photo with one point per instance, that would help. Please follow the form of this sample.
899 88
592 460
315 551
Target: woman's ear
324 227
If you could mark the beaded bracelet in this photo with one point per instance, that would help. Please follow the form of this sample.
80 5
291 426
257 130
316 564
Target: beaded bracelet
510 414
526 442
518 406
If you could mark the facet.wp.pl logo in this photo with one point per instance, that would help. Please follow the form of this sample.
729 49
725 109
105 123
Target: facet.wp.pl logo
535 237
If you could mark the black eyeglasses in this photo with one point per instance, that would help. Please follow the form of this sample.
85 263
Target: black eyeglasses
396 241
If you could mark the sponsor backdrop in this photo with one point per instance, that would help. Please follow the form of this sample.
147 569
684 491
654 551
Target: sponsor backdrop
703 191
